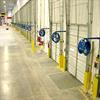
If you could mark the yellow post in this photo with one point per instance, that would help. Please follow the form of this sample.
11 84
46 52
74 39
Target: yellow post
49 52
95 88
62 61
33 47
23 33
87 81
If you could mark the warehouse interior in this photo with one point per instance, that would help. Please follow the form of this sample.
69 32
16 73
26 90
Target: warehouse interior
50 49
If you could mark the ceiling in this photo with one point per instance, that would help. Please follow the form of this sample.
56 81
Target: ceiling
7 5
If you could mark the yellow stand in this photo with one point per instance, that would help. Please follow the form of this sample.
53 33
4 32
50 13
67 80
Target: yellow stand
87 81
49 53
17 29
62 65
24 33
33 47
95 88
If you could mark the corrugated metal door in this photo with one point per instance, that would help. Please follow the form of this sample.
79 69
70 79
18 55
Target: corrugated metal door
78 30
77 62
57 9
28 8
46 25
56 21
43 21
72 50
34 12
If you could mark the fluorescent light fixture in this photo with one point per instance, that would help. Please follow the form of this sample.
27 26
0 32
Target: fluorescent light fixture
4 2
5 6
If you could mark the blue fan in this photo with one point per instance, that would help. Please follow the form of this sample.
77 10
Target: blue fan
29 27
55 37
84 46
42 32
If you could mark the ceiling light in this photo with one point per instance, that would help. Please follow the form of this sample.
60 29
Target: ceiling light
4 2
5 6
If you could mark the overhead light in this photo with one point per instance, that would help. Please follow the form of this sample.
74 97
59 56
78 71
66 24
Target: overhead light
5 6
4 2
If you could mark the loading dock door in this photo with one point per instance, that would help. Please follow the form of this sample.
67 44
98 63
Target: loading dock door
43 21
72 50
81 59
58 22
55 47
46 25
78 29
77 62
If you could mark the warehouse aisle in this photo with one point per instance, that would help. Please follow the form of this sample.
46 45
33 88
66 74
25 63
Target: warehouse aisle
28 76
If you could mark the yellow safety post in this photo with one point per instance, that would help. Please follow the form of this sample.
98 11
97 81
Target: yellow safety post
21 32
49 53
49 49
33 46
17 29
62 65
25 34
96 78
95 87
87 81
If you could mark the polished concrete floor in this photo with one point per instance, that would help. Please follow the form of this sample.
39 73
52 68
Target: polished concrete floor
31 76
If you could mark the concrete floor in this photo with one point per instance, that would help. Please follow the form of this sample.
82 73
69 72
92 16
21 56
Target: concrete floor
26 76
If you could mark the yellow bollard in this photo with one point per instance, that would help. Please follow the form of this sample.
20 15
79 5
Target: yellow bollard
33 47
87 81
49 53
95 88
62 61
